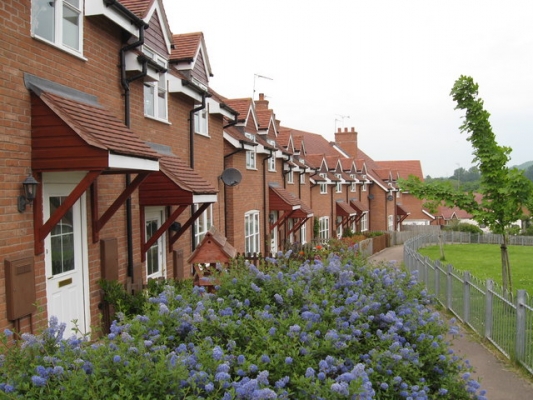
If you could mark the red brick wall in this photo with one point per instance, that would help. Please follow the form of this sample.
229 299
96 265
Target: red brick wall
98 74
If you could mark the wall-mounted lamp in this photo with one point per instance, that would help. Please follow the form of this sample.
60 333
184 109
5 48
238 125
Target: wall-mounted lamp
271 218
175 227
30 189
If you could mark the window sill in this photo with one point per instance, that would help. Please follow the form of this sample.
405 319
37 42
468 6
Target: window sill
163 121
72 52
207 135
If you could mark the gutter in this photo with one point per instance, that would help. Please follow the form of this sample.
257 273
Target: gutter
125 82
267 212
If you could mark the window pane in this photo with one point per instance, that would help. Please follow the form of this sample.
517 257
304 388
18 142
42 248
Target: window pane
62 240
43 19
162 105
149 100
152 255
71 28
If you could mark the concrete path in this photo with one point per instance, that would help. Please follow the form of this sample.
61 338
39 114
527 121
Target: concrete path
494 372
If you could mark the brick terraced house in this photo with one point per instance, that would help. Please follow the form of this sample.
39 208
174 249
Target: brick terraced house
129 157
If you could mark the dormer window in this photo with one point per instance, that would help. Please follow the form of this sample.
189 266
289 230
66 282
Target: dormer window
323 185
272 160
290 176
155 93
250 154
201 119
353 186
59 23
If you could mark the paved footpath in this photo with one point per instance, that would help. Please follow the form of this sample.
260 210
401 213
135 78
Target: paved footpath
497 377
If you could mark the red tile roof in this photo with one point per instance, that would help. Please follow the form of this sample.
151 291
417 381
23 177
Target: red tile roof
186 46
242 106
98 127
404 168
344 209
138 7
183 176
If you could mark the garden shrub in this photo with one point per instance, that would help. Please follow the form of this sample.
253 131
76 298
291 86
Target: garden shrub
320 329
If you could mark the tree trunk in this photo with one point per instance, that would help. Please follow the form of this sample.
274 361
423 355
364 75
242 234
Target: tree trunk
506 269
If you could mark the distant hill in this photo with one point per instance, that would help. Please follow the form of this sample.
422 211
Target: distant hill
525 165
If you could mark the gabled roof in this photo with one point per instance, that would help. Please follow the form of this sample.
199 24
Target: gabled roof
190 53
247 116
138 7
213 245
404 167
316 161
314 143
145 9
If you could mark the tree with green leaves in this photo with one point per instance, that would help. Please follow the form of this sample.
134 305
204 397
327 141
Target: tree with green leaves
505 192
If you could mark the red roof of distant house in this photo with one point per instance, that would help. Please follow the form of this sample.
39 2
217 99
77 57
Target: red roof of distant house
405 167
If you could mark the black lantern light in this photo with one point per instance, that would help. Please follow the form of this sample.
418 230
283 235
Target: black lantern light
30 189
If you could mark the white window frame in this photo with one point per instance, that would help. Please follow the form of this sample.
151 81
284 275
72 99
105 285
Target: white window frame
339 183
364 222
390 222
203 223
157 214
290 176
364 183
252 238
201 121
272 160
156 93
59 22
251 155
353 186
302 178
303 233
323 185
323 230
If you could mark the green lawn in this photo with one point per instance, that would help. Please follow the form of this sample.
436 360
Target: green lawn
484 262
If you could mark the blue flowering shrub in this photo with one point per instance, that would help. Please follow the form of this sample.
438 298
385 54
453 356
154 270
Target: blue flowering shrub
332 329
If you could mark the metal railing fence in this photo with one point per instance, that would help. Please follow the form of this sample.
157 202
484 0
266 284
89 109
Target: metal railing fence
505 320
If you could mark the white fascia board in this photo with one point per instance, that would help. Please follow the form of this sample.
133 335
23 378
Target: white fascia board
94 7
377 181
237 143
175 85
204 198
296 207
215 108
127 162
428 214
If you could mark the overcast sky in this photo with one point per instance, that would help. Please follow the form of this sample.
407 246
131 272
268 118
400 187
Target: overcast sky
385 67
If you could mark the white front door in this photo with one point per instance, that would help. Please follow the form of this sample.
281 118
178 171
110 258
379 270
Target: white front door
155 256
274 234
66 261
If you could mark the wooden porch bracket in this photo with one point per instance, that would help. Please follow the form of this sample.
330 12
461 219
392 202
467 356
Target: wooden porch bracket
43 229
297 225
99 223
189 222
146 244
284 217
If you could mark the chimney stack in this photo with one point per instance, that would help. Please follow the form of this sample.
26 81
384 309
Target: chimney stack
261 104
347 140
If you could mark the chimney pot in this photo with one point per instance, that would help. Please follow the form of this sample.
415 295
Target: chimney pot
261 96
345 129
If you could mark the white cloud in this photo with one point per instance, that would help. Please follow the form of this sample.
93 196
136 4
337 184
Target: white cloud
389 65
